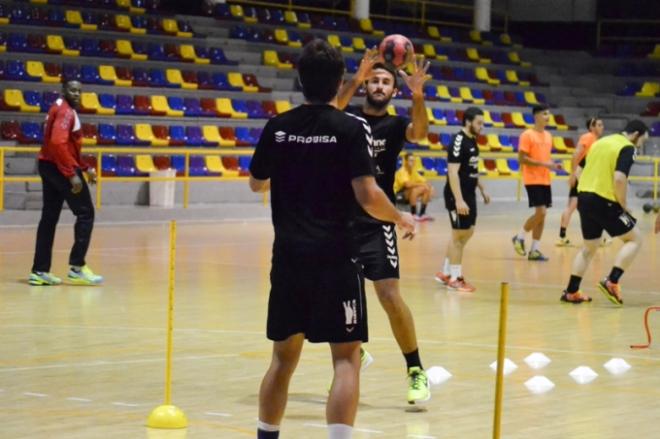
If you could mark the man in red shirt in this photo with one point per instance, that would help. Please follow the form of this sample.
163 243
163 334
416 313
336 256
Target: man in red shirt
61 169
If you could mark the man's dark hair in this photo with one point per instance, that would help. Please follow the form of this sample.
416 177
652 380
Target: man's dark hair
470 113
320 70
67 83
636 125
389 69
591 122
539 108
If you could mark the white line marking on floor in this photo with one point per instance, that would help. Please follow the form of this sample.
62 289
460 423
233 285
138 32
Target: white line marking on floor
76 399
36 395
368 430
421 436
125 404
222 415
313 425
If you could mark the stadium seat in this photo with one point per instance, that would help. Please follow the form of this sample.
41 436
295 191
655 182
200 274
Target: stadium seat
89 104
10 130
89 134
108 165
483 75
518 120
13 100
126 136
503 168
125 166
125 50
649 90
144 163
559 145
55 44
236 80
225 108
145 135
271 58
107 134
124 105
175 78
161 107
214 165
655 130
211 135
30 133
171 27
229 137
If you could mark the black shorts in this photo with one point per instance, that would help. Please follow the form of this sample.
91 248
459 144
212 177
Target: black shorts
461 222
321 297
378 251
598 214
539 195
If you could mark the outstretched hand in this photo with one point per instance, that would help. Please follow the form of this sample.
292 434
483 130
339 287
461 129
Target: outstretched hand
419 76
369 60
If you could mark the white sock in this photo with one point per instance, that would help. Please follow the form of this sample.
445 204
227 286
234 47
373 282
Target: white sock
267 427
445 269
340 431
521 235
455 271
535 245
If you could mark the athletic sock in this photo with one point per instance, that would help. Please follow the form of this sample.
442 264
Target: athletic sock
413 210
455 271
562 232
422 211
445 268
413 360
521 235
267 431
615 275
535 245
340 431
573 284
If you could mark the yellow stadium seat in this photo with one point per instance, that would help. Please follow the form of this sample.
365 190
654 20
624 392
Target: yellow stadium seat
554 123
145 163
512 76
391 110
336 42
359 44
108 73
55 43
494 142
14 98
656 52
36 68
90 100
224 106
568 165
214 164
429 116
290 17
73 17
503 167
475 36
530 98
160 105
123 22
366 25
518 119
175 77
466 95
443 93
434 33
558 143
187 52
271 58
125 49
3 48
211 134
649 90
281 36
172 27
236 11
144 133
489 120
482 75
473 54
282 106
236 80
505 39
429 51
39 2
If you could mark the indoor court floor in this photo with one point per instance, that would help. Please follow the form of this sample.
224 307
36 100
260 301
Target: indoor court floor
88 362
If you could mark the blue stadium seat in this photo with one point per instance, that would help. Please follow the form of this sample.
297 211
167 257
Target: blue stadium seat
107 100
71 72
126 136
192 108
15 71
141 78
31 132
32 98
109 165
194 136
126 166
514 165
90 47
177 135
157 78
197 166
176 103
178 162
47 100
124 104
106 134
255 110
441 166
17 43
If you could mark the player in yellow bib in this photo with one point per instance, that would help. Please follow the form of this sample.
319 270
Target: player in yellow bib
602 204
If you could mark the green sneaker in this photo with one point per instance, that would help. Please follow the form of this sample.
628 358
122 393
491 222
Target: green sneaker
40 278
365 359
519 246
536 255
84 277
419 389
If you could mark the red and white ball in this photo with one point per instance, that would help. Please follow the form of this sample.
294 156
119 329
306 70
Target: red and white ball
397 50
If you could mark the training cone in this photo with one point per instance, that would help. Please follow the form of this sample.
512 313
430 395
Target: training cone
167 417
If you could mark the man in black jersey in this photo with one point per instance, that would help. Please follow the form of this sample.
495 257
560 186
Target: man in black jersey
460 197
316 161
377 239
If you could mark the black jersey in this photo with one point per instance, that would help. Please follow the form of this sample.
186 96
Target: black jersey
464 150
311 154
389 137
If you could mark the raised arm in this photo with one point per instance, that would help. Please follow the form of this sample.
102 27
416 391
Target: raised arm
418 129
348 89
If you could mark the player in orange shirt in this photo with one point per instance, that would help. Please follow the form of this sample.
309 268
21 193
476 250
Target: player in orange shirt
595 127
534 151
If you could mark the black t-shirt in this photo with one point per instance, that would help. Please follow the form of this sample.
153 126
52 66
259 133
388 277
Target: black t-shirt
389 136
464 151
623 163
311 153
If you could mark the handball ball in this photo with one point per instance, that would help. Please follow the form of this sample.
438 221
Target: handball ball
396 50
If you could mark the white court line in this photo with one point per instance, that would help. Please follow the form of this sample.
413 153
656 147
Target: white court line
36 395
102 363
76 399
222 415
421 436
125 404
361 430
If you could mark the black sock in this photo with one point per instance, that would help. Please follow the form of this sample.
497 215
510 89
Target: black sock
573 284
413 360
615 275
562 232
422 211
413 209
261 434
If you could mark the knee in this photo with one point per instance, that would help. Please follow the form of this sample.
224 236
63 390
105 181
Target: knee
390 299
86 214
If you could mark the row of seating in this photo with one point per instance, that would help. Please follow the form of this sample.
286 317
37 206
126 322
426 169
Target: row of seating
199 165
490 143
497 167
652 109
141 105
36 71
638 69
644 90
91 21
112 48
378 28
133 6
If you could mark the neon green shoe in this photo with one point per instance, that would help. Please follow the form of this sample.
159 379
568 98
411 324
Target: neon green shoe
40 278
419 389
84 277
365 359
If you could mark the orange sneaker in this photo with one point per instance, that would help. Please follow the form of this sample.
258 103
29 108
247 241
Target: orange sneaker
442 278
611 291
460 285
575 298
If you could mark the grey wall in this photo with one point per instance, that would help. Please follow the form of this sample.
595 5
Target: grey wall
549 10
